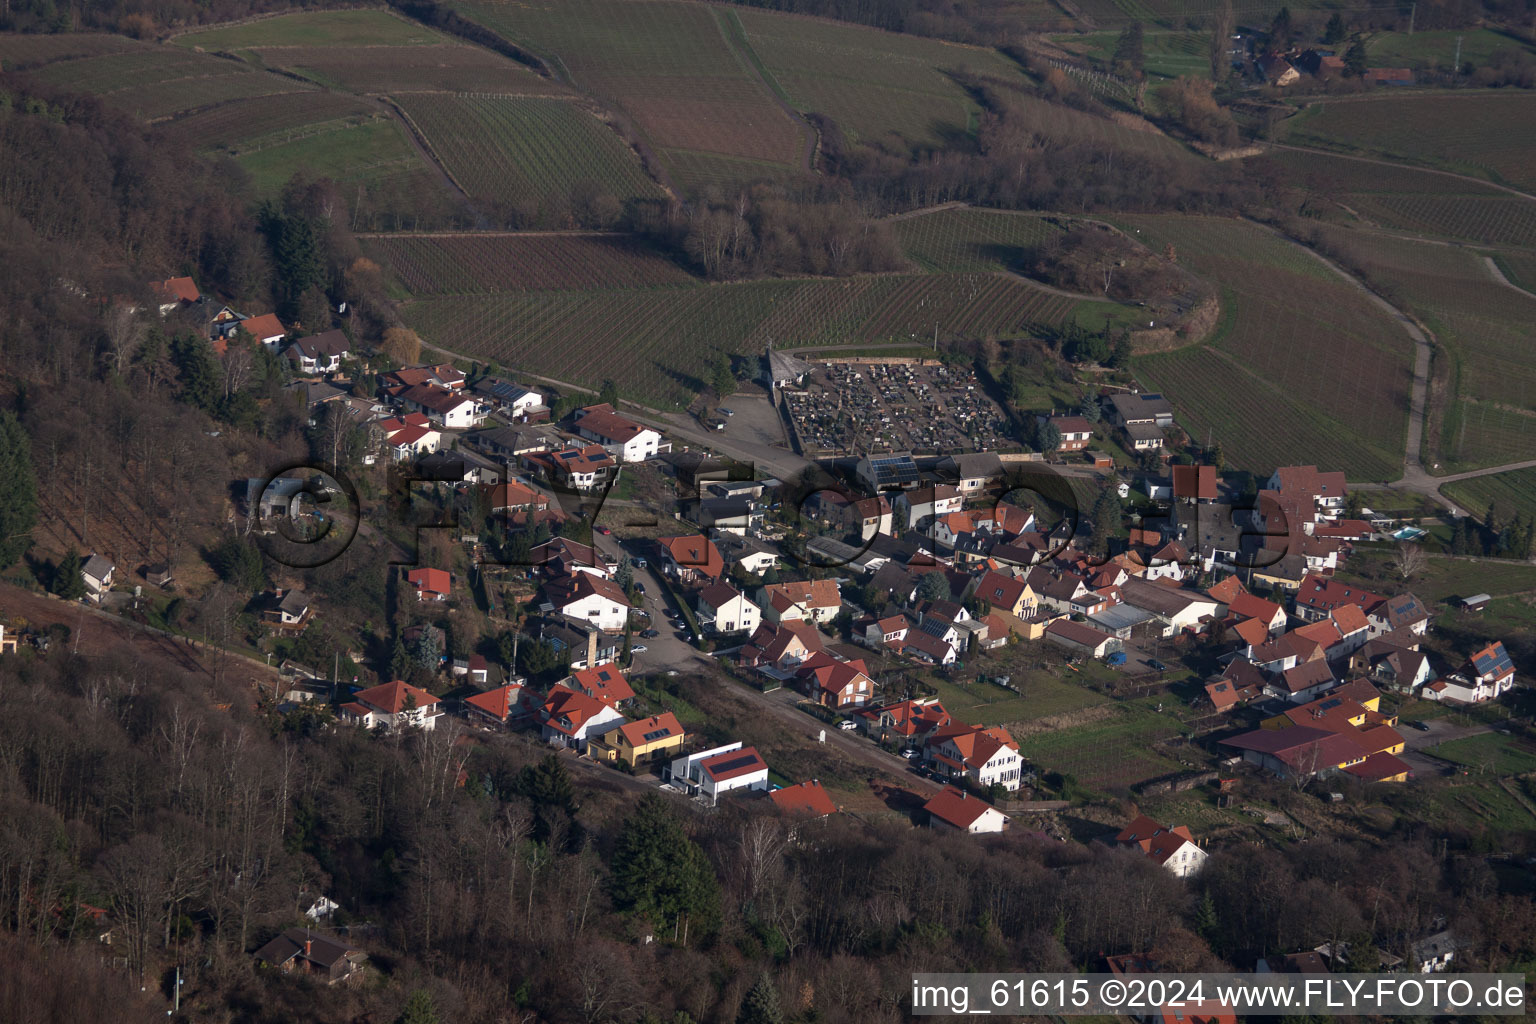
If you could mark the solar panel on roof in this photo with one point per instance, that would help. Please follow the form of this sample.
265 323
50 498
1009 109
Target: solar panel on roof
732 764
656 734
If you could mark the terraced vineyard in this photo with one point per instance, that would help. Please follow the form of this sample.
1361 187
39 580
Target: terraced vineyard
316 28
477 263
668 66
656 339
25 52
1485 134
1303 363
448 67
1519 269
158 81
520 149
969 239
870 82
251 124
1485 327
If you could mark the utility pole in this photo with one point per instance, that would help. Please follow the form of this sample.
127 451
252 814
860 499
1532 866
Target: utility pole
1413 13
1456 64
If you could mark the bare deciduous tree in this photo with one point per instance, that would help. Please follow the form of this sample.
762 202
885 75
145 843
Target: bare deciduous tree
1408 560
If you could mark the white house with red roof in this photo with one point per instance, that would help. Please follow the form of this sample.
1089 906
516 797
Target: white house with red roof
569 718
710 773
956 809
173 292
1327 492
430 584
926 502
912 720
1171 846
1488 673
818 601
409 436
982 755
624 439
807 798
724 609
589 598
393 706
886 633
449 410
690 558
784 646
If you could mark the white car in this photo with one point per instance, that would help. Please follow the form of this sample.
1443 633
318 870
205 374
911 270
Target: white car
848 725
909 753
638 649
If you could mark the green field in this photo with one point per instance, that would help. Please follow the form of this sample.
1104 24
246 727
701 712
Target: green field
1045 694
670 69
1489 752
1303 363
969 239
1112 754
451 67
1485 328
1437 49
1443 578
1487 134
871 83
1169 54
159 81
373 154
248 125
1514 491
1519 268
315 28
524 149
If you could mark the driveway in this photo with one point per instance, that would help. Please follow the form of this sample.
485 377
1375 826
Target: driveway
753 420
1417 743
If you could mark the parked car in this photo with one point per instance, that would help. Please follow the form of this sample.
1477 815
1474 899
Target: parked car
638 649
727 412
650 634
1421 726
604 530
638 563
909 753
640 589
847 725
1157 666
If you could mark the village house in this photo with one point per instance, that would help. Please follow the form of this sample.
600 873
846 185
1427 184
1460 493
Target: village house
1304 752
921 504
513 496
174 292
973 473
1326 493
691 558
818 601
890 471
96 573
266 329
395 705
1195 483
409 436
570 718
1007 593
954 808
578 468
981 756
524 405
836 684
710 774
1171 846
561 556
430 584
804 799
288 610
447 410
1076 432
604 682
1082 639
911 719
497 706
581 644
624 439
319 353
1402 611
886 633
589 597
638 743
1488 673
1148 409
926 648
784 645
308 952
724 609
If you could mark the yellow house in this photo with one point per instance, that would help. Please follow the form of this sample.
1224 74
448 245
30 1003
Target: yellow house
636 743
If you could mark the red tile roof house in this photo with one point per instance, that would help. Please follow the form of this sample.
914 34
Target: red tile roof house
430 584
447 409
690 558
710 774
956 809
912 720
1304 752
1488 674
512 495
605 683
784 646
174 291
804 798
1171 846
836 684
624 439
1318 596
568 718
498 706
816 600
924 647
983 756
392 705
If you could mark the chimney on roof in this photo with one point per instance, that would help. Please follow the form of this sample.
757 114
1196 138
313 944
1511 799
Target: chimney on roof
309 944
